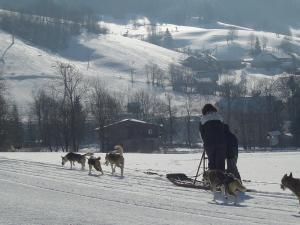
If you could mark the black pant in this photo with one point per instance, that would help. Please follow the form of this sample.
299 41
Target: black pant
232 167
216 157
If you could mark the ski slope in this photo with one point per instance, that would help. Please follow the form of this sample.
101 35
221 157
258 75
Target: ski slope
36 190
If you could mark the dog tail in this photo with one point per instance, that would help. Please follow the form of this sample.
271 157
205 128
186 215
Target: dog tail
119 149
88 154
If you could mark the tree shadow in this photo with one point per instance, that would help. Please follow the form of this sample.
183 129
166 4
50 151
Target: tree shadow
78 52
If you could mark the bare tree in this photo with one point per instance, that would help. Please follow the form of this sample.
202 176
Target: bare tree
155 75
171 114
188 80
145 101
232 35
104 107
132 71
264 42
71 90
226 91
3 114
188 109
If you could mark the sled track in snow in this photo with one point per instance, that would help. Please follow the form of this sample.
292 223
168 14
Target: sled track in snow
143 186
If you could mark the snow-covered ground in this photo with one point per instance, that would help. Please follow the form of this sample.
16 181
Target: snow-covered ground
36 189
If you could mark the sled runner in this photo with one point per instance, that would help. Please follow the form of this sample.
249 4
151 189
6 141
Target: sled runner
180 179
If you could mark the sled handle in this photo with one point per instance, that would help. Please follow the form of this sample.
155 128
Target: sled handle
202 158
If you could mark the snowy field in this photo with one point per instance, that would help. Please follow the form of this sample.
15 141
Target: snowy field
35 189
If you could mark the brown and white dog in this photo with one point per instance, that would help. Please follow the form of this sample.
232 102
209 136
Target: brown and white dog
291 183
115 159
96 163
226 182
75 157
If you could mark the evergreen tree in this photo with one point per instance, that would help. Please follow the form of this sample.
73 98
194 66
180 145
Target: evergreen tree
257 47
168 39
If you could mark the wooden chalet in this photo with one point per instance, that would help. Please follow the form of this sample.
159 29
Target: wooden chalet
133 135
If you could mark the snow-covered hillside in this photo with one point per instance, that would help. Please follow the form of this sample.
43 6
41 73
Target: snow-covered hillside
108 57
112 57
214 38
209 37
35 189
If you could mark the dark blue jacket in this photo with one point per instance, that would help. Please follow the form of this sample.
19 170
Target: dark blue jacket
211 128
231 143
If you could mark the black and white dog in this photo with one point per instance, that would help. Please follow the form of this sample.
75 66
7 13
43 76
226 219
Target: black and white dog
75 157
96 163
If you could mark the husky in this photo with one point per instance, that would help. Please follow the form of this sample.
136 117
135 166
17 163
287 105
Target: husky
226 182
115 159
75 157
291 183
94 162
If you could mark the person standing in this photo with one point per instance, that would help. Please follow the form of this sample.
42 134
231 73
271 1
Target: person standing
211 128
232 152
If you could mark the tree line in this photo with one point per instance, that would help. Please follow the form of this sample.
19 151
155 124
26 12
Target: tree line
11 135
66 112
53 33
284 13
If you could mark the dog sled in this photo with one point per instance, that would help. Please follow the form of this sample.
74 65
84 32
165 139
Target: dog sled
182 180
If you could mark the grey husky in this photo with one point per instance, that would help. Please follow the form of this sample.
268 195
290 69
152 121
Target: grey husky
115 159
75 157
226 182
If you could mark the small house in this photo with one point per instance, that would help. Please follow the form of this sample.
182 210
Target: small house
133 135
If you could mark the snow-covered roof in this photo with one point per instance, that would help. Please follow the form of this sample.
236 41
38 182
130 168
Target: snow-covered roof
128 120
274 133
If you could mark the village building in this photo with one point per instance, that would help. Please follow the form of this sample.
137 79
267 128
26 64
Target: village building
134 135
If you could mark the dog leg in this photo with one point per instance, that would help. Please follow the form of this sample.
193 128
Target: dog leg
100 168
122 170
71 164
224 192
214 191
90 169
235 200
112 168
